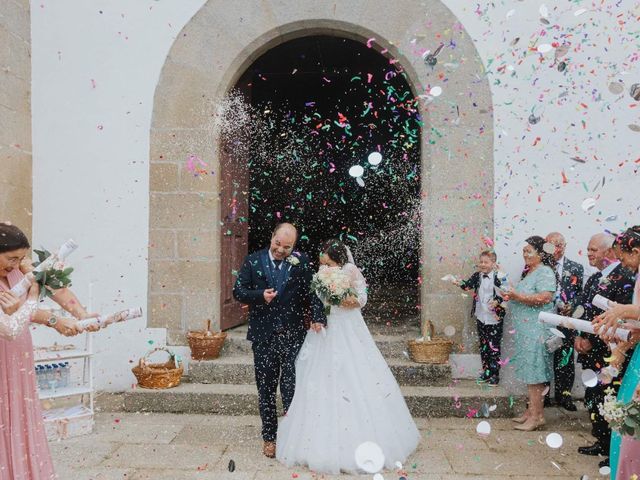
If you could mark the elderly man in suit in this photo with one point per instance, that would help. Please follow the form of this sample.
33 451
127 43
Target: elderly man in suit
570 280
614 282
276 284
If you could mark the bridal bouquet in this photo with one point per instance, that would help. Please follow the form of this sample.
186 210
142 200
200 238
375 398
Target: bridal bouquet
332 285
622 417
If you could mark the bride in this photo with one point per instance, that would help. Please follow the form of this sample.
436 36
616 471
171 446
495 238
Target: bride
345 393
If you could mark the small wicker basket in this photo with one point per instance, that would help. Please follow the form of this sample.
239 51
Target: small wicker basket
158 375
431 349
205 345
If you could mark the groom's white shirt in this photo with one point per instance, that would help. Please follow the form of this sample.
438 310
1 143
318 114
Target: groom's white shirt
273 260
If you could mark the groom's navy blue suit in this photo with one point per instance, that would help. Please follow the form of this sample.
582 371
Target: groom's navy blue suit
277 329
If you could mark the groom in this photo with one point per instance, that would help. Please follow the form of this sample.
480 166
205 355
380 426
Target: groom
276 284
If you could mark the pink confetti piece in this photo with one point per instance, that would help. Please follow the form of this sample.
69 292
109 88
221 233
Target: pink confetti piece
502 363
370 42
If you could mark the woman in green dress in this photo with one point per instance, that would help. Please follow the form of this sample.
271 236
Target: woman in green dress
534 294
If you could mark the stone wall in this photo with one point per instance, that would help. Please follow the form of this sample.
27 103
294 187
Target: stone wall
210 55
15 113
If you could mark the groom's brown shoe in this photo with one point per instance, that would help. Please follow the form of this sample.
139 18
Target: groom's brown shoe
269 449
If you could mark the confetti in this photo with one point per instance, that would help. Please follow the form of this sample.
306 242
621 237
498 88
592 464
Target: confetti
554 440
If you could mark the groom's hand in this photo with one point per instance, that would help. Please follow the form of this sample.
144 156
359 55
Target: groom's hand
269 294
317 327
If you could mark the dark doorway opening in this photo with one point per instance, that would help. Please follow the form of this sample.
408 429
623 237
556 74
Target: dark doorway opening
321 105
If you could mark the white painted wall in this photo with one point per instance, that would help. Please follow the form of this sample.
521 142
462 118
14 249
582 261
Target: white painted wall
606 52
94 76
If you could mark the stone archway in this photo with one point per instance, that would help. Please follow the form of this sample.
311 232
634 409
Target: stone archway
210 54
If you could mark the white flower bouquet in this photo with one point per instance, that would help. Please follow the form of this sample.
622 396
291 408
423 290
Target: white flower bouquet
622 417
332 286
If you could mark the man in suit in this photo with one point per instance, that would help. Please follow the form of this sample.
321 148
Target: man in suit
276 284
570 276
616 283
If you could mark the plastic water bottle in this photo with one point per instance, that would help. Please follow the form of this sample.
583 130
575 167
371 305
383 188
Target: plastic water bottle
65 374
51 381
40 371
57 375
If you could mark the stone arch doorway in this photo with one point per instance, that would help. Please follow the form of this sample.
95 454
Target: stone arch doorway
319 105
207 59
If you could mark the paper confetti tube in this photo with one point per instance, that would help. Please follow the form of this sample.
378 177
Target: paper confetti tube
601 302
103 321
575 324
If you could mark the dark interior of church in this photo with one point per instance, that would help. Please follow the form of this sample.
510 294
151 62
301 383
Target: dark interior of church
322 105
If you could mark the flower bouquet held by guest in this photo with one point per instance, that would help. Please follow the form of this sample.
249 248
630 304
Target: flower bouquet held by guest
24 452
532 360
624 449
345 393
489 314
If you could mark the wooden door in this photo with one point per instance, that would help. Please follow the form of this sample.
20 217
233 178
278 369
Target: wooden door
234 189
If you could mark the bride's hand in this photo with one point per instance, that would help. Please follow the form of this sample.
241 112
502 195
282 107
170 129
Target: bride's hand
317 327
350 302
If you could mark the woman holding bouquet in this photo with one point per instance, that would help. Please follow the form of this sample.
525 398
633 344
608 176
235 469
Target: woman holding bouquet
24 451
625 450
345 393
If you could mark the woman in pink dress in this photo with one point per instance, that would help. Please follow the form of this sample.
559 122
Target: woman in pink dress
24 451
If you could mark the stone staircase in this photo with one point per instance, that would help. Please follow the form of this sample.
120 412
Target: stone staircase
394 305
226 385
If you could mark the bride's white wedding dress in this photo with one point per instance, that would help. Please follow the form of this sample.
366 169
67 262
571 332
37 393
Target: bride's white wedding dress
345 395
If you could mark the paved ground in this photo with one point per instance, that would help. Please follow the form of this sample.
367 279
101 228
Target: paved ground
173 447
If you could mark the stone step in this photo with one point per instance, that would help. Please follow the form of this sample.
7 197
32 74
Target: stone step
391 346
238 369
464 398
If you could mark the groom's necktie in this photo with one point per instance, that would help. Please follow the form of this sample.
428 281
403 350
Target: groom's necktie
278 274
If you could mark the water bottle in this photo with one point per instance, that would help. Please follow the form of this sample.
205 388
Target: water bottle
41 377
65 374
46 380
51 377
57 375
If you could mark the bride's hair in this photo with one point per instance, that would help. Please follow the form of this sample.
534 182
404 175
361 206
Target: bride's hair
336 250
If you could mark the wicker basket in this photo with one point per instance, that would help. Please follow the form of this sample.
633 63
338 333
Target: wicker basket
435 350
205 344
158 375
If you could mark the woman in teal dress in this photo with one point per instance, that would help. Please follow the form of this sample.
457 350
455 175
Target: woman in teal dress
534 294
625 450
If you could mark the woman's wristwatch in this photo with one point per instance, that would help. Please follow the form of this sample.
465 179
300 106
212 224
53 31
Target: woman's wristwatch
52 321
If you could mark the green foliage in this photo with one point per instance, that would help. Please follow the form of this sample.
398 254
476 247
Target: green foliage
52 279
